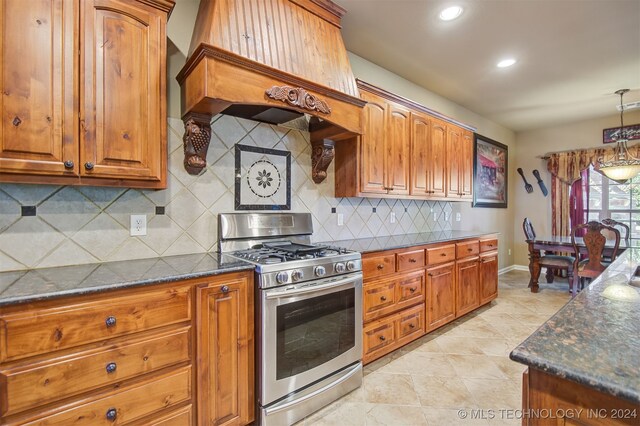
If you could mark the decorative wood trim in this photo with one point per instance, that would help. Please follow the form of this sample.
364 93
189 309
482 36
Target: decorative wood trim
363 85
322 154
325 9
164 5
208 51
196 139
298 97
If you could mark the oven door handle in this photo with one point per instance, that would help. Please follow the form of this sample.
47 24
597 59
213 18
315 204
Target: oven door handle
312 289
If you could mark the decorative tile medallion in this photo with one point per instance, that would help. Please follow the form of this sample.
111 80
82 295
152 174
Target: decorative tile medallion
263 178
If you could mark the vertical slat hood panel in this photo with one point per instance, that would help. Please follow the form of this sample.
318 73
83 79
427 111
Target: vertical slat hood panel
268 60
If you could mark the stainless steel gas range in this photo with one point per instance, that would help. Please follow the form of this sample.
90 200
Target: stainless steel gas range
309 312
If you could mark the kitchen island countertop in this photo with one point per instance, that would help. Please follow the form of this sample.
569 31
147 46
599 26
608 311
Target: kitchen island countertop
594 339
392 242
48 283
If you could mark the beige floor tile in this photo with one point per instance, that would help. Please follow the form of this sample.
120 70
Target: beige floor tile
394 415
338 413
428 364
475 366
458 345
511 369
495 347
495 394
383 388
442 392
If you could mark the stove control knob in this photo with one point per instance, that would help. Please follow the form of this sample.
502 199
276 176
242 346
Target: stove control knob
351 265
339 267
297 275
320 271
282 277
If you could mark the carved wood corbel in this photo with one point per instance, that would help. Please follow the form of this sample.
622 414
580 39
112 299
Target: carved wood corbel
322 153
196 139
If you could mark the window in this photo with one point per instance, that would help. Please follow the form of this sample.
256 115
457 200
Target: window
621 202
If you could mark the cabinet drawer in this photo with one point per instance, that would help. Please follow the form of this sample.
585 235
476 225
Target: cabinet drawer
44 330
488 245
378 336
410 289
441 254
467 249
411 322
128 403
410 260
180 417
48 381
378 266
378 298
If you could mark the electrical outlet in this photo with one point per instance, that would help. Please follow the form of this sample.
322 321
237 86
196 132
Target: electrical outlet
458 217
509 252
340 219
435 217
138 224
392 217
447 215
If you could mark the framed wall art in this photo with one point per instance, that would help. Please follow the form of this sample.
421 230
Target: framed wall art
612 135
263 178
490 173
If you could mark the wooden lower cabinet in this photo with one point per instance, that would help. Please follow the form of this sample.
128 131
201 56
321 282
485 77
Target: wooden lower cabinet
169 355
441 295
225 365
445 281
572 403
467 286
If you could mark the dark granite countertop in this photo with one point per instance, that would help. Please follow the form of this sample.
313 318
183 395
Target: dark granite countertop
594 339
47 283
391 242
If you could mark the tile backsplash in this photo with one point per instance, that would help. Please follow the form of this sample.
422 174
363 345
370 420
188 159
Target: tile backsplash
76 225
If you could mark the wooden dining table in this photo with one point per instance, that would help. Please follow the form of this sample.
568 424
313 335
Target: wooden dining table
561 245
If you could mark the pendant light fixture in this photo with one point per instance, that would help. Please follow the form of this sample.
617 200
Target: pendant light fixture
623 166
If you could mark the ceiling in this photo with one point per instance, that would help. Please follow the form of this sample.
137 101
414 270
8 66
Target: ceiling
572 54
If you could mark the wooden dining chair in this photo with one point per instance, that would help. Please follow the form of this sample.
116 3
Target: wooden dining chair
552 262
594 240
623 228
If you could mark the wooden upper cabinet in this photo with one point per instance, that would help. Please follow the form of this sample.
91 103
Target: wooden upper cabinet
466 171
122 92
397 147
437 181
37 76
454 153
420 154
373 153
83 86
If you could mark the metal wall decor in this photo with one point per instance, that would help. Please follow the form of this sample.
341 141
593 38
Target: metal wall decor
263 178
490 173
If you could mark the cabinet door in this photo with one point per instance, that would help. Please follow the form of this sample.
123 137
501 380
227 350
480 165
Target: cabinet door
37 79
466 160
122 94
454 153
441 301
467 286
225 352
420 156
488 277
438 163
373 161
397 147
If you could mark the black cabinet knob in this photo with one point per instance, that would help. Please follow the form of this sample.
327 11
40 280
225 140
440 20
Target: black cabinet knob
110 321
112 414
68 164
383 338
111 367
225 289
383 298
88 165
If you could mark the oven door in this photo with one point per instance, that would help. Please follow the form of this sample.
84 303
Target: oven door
308 331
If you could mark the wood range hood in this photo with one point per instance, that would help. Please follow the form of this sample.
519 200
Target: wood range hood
273 61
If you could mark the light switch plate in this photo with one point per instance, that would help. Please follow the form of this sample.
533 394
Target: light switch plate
458 217
340 219
138 225
392 217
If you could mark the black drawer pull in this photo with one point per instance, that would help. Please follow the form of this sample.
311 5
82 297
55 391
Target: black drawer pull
225 289
110 321
88 166
383 338
112 414
412 326
443 254
412 260
381 266
68 164
383 298
412 289
111 367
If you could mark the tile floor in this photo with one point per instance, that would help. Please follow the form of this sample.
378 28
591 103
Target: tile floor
462 366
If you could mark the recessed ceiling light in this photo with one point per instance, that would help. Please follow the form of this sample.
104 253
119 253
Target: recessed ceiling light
451 13
506 63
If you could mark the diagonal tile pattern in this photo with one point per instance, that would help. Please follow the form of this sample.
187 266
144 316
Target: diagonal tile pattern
462 366
91 223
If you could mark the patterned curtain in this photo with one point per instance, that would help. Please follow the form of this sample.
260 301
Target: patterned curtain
566 168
